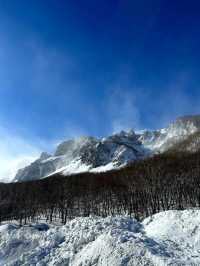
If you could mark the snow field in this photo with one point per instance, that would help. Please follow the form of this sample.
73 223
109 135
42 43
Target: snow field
167 238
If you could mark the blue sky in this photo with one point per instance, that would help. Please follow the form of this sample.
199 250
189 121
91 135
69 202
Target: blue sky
69 68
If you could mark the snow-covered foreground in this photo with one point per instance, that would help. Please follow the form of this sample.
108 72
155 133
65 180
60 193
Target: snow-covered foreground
167 238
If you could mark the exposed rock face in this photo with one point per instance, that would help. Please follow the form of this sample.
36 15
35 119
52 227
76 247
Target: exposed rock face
88 153
37 169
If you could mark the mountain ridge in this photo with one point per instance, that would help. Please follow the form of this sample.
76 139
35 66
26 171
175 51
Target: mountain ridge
101 154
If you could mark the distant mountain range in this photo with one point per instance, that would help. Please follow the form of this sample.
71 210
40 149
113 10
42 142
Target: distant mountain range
92 154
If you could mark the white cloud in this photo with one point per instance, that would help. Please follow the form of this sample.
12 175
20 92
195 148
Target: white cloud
10 165
15 153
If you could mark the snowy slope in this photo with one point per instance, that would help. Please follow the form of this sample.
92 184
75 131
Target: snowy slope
92 154
167 238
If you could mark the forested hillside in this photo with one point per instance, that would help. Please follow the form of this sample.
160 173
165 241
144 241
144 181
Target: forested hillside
163 182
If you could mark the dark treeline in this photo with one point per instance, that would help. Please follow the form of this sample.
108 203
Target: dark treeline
163 182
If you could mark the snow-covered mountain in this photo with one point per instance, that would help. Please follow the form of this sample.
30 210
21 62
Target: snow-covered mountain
166 238
93 154
86 154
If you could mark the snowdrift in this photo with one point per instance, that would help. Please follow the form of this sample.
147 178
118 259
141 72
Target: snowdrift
167 238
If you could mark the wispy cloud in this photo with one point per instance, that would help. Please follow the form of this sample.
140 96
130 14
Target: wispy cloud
50 67
70 131
123 110
175 100
141 108
18 151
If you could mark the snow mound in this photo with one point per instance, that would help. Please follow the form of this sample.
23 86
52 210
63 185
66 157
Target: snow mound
167 238
179 233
